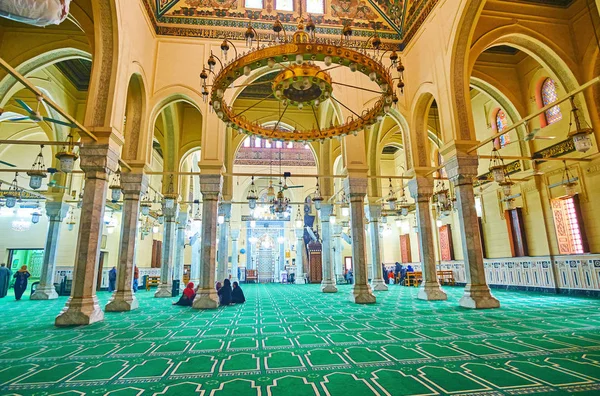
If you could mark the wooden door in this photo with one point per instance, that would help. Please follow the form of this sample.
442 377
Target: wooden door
446 248
405 252
315 265
100 267
516 232
156 254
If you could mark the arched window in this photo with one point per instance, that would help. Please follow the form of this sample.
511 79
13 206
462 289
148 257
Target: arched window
549 96
315 6
284 5
501 124
247 142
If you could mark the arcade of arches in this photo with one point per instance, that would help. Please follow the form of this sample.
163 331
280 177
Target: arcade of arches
481 177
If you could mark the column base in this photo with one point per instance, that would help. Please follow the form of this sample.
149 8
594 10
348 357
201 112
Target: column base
328 287
300 280
206 299
478 297
79 312
431 292
164 291
362 294
44 293
378 285
122 302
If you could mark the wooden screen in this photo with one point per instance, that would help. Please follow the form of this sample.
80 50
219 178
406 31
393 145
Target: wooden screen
315 265
446 248
405 253
568 224
156 254
516 232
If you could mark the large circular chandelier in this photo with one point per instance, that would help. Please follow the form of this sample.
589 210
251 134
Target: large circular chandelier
303 81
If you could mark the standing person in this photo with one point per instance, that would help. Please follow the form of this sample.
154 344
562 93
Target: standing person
4 280
21 282
385 273
225 293
187 298
237 294
136 279
112 279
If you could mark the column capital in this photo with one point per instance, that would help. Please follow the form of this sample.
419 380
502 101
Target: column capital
326 211
356 187
170 213
462 168
98 159
235 233
374 213
226 210
210 185
57 211
134 183
421 188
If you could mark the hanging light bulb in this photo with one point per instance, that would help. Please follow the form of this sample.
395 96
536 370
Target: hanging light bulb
13 193
224 49
497 166
67 156
115 187
317 198
581 134
37 172
569 181
391 198
252 197
270 191
35 216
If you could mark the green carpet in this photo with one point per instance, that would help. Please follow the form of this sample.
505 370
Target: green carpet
294 340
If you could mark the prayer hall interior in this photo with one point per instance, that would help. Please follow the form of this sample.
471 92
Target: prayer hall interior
399 192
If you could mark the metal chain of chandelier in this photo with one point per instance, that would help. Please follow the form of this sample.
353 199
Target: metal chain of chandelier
304 81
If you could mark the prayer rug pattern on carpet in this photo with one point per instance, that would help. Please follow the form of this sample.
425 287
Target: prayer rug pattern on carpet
294 340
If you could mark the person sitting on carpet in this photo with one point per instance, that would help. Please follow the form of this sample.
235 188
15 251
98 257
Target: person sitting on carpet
225 293
187 298
21 282
237 294
391 277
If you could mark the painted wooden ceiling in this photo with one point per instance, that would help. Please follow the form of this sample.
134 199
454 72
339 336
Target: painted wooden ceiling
394 20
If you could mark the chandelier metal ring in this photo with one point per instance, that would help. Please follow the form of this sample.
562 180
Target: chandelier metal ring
301 55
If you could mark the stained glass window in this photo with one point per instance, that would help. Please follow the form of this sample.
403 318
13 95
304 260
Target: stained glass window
549 95
253 4
257 142
284 5
315 6
247 142
501 123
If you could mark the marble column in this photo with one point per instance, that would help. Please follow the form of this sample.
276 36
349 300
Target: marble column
235 234
56 212
336 250
378 284
133 185
300 256
356 190
210 187
182 220
328 282
421 190
223 251
97 160
196 253
461 170
168 251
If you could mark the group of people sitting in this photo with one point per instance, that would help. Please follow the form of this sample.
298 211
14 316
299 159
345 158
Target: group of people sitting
227 294
397 274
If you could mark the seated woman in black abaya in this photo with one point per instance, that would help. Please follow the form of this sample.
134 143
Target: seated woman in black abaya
225 293
237 294
187 298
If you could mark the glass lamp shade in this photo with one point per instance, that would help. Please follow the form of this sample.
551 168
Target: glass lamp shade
35 217
298 223
570 189
115 193
345 211
439 223
70 226
497 173
35 179
169 203
155 229
507 188
332 219
11 201
221 219
145 208
398 223
317 202
392 203
510 204
442 198
582 142
110 228
404 211
161 220
384 219
252 203
67 161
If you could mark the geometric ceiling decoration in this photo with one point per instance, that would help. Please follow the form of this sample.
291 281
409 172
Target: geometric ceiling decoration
78 71
396 21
